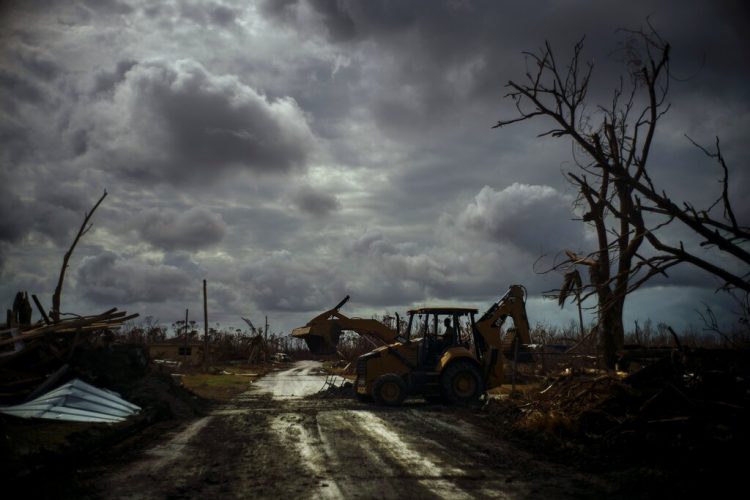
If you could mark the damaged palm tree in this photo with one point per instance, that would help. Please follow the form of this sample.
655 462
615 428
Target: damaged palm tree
258 352
572 284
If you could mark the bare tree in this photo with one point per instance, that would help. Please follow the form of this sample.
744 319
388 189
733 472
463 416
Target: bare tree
611 148
85 227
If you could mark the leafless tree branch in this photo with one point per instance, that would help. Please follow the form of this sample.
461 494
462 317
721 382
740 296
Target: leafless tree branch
85 227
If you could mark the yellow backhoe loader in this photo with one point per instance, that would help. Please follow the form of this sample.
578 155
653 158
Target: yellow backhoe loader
443 353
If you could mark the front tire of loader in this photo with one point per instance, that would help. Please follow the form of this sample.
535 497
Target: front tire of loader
389 390
461 383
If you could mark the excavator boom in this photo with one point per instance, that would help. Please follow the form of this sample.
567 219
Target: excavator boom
512 304
321 334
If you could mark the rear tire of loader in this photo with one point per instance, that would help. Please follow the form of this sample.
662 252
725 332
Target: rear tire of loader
461 383
389 390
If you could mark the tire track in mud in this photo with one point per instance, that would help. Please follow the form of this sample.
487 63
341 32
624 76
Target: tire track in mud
260 446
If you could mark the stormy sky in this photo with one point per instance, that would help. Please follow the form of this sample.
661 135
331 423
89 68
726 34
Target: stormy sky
292 152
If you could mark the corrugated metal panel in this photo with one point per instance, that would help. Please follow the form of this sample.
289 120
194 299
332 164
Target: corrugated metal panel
75 401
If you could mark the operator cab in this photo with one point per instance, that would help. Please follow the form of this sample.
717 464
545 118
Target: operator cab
441 329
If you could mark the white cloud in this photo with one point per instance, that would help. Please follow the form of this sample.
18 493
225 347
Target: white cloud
537 219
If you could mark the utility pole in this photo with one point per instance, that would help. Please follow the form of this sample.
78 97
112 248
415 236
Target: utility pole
265 341
185 349
205 328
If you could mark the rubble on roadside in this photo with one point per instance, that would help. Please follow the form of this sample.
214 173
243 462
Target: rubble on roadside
335 387
34 358
689 402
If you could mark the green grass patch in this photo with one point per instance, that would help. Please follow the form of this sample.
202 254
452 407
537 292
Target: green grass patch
224 385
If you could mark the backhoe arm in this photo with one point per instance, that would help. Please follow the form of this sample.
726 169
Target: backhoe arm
489 330
321 334
512 304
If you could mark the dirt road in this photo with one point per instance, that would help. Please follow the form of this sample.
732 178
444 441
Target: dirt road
274 443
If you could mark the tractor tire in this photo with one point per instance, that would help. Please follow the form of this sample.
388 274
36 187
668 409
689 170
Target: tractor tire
389 390
461 384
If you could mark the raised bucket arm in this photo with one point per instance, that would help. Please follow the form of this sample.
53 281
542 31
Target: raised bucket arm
321 334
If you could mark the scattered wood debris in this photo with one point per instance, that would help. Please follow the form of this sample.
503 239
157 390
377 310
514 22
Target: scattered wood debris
688 399
34 357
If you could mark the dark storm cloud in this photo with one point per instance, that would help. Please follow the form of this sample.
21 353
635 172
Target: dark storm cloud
26 57
446 55
108 278
394 272
208 13
188 124
282 282
15 219
265 227
337 19
193 229
58 210
79 142
56 213
16 86
314 202
108 6
16 141
346 145
106 81
38 63
397 273
66 196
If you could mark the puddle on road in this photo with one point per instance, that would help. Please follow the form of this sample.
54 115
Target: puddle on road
305 378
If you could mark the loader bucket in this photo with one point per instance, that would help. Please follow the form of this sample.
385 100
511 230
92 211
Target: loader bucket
321 338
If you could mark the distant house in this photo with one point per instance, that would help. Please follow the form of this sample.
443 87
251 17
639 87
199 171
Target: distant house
177 350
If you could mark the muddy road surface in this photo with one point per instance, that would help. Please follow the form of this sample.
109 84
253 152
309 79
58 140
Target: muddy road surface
275 442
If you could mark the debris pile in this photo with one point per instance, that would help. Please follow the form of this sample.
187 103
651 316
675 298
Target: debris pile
344 391
35 358
335 387
690 401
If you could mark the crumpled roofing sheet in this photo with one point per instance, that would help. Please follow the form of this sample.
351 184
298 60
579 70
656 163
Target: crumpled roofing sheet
76 401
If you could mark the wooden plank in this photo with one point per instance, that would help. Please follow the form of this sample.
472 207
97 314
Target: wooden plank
70 325
41 309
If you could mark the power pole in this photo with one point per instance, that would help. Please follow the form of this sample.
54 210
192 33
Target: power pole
205 328
185 349
265 341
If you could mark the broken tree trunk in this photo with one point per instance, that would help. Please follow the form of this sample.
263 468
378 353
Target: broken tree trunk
58 289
